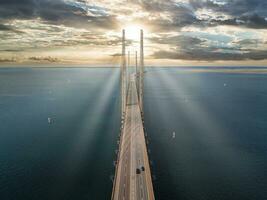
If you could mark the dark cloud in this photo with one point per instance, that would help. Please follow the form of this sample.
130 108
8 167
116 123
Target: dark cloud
7 60
86 42
179 14
11 50
161 16
192 48
249 13
46 59
241 13
5 28
89 39
246 42
206 55
155 6
178 40
19 9
8 28
56 12
232 7
251 21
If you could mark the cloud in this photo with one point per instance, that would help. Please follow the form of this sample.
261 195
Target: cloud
252 21
232 7
42 59
249 13
116 55
178 40
67 13
166 15
162 14
4 27
205 55
11 50
7 60
179 29
248 41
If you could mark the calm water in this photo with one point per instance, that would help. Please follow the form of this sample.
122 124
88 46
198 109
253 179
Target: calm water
71 158
220 121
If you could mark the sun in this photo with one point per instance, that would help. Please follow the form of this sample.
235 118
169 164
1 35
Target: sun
133 32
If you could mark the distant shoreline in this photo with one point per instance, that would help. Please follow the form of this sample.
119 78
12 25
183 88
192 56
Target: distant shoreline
117 66
212 69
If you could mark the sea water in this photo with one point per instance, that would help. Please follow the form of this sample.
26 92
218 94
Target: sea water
58 132
59 129
220 124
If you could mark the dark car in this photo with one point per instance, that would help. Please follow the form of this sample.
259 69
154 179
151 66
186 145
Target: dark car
138 171
143 168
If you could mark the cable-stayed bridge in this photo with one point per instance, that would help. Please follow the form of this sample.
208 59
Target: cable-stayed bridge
132 177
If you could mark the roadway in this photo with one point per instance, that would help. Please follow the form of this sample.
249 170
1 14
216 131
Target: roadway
128 184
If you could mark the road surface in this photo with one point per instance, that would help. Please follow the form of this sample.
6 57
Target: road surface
128 183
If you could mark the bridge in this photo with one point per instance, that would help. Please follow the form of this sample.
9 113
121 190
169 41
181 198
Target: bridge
132 179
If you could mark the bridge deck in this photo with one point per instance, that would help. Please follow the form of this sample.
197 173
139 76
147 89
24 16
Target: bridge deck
128 184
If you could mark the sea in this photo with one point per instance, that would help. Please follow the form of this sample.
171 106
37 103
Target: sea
206 132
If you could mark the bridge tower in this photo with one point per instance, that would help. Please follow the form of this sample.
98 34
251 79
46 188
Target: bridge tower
141 71
136 62
128 69
123 76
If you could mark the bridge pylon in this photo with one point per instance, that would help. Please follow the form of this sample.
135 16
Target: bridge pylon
123 77
141 72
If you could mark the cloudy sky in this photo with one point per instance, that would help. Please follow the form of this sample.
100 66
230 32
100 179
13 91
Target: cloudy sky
177 32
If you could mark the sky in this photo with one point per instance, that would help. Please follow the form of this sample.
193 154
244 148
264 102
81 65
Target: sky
177 32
